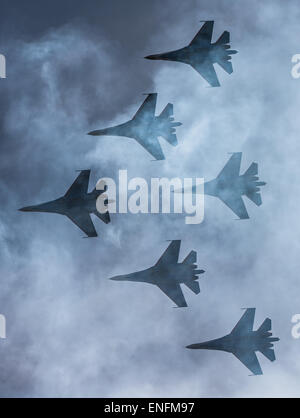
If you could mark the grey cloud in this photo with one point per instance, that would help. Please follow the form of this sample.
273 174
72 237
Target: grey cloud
71 332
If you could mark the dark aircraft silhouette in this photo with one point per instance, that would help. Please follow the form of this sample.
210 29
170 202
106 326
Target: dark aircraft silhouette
230 186
202 54
76 204
145 127
168 274
243 342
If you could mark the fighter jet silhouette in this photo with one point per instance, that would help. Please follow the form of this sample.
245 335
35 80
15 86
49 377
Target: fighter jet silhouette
145 127
243 342
77 204
230 186
168 274
202 54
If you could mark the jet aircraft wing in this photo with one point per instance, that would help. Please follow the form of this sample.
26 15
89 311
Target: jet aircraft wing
147 109
245 324
207 71
249 359
232 167
171 254
174 292
84 222
105 217
236 204
152 145
80 185
204 36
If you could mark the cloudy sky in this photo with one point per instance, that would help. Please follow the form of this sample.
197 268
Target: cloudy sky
75 66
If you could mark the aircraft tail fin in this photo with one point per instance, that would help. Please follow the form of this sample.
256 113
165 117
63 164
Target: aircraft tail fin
225 58
191 258
167 126
193 285
269 353
266 326
224 38
251 177
167 112
252 170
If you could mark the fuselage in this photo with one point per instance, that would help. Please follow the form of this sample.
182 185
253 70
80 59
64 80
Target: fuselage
142 130
252 341
158 274
193 54
62 205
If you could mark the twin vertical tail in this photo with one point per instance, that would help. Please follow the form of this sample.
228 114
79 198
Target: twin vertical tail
251 176
224 38
224 59
191 283
167 126
266 340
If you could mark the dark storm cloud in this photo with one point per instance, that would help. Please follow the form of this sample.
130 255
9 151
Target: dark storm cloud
73 67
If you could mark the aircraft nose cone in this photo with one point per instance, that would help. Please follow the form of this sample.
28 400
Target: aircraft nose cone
152 57
94 133
121 278
201 346
27 209
115 278
191 346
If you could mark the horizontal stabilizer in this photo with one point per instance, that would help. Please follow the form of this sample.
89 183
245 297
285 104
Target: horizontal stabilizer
269 353
193 285
171 138
252 170
191 258
255 197
226 65
224 38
